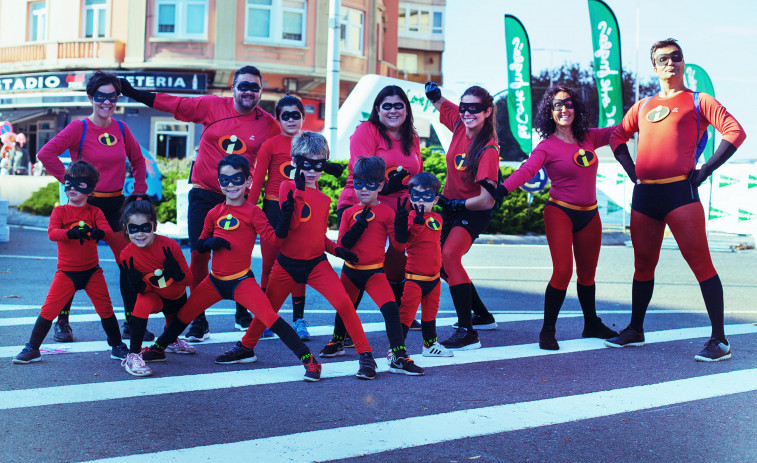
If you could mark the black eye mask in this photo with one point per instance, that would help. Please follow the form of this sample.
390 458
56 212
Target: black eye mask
134 228
294 115
99 97
370 185
304 163
237 179
72 183
426 195
245 86
472 108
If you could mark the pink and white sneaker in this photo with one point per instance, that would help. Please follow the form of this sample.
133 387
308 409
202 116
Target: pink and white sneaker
134 365
181 347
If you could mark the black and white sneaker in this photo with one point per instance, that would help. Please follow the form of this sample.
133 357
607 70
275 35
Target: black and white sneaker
119 352
714 351
242 320
405 366
482 323
28 355
627 337
199 331
415 325
332 349
462 340
237 354
62 332
367 366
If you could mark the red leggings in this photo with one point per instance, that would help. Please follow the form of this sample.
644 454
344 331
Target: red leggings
269 257
457 244
377 287
413 295
564 244
149 303
688 227
247 292
324 280
62 290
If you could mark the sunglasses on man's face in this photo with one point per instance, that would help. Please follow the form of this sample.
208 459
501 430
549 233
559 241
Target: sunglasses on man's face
237 179
294 115
388 106
567 103
99 97
248 87
472 108
134 228
662 60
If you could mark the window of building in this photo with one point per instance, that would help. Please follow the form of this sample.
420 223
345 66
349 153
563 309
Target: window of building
352 30
276 21
94 18
420 21
37 21
172 139
186 19
407 62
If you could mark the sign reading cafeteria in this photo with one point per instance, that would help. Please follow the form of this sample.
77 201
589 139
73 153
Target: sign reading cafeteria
77 80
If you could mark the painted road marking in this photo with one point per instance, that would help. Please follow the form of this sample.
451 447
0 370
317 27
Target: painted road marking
369 439
118 390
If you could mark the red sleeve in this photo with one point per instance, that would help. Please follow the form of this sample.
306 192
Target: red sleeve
179 256
124 256
449 114
208 225
601 137
262 164
527 171
263 228
137 161
363 142
55 230
299 200
187 109
67 139
344 226
488 165
627 127
330 245
716 114
102 224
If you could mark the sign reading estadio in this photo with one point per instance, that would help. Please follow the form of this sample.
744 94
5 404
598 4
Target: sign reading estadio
77 80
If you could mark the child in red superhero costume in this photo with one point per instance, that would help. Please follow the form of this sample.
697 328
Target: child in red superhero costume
231 125
422 240
302 258
229 232
76 227
364 230
157 271
274 159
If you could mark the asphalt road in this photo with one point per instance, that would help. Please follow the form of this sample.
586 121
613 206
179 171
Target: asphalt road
508 401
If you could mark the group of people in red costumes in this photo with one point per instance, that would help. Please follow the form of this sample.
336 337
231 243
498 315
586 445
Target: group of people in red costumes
394 246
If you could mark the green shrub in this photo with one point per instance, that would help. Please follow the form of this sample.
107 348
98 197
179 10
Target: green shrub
42 201
171 170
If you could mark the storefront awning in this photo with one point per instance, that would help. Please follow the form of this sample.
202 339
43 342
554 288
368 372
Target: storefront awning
22 115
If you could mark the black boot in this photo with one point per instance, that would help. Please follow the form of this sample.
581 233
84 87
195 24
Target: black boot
593 326
553 300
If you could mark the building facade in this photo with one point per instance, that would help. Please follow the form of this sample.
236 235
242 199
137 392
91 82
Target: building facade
48 49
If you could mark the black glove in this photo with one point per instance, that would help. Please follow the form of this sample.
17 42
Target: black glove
80 233
451 206
400 222
356 230
345 254
285 216
497 192
395 183
432 92
722 154
133 276
419 211
212 243
144 97
171 267
624 158
299 179
333 168
97 234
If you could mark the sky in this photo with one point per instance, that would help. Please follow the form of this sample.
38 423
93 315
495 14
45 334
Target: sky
719 35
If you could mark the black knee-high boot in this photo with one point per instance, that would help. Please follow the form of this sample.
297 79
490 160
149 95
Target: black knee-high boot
138 327
40 330
553 300
593 326
428 330
641 294
712 292
110 325
128 295
287 334
298 307
462 299
398 287
478 305
391 313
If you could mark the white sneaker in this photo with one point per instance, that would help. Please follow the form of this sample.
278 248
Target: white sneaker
437 350
181 347
134 365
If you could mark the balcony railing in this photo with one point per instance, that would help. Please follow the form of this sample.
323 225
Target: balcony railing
101 49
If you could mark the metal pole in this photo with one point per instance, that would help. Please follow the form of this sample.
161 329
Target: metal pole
332 77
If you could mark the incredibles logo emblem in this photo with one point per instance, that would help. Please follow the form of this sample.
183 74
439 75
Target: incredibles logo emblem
657 114
391 172
287 170
307 213
158 280
585 158
107 139
433 224
371 215
79 224
231 144
460 163
228 222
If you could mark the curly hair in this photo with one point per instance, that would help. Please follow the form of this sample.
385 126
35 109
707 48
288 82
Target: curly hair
407 130
138 204
545 124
